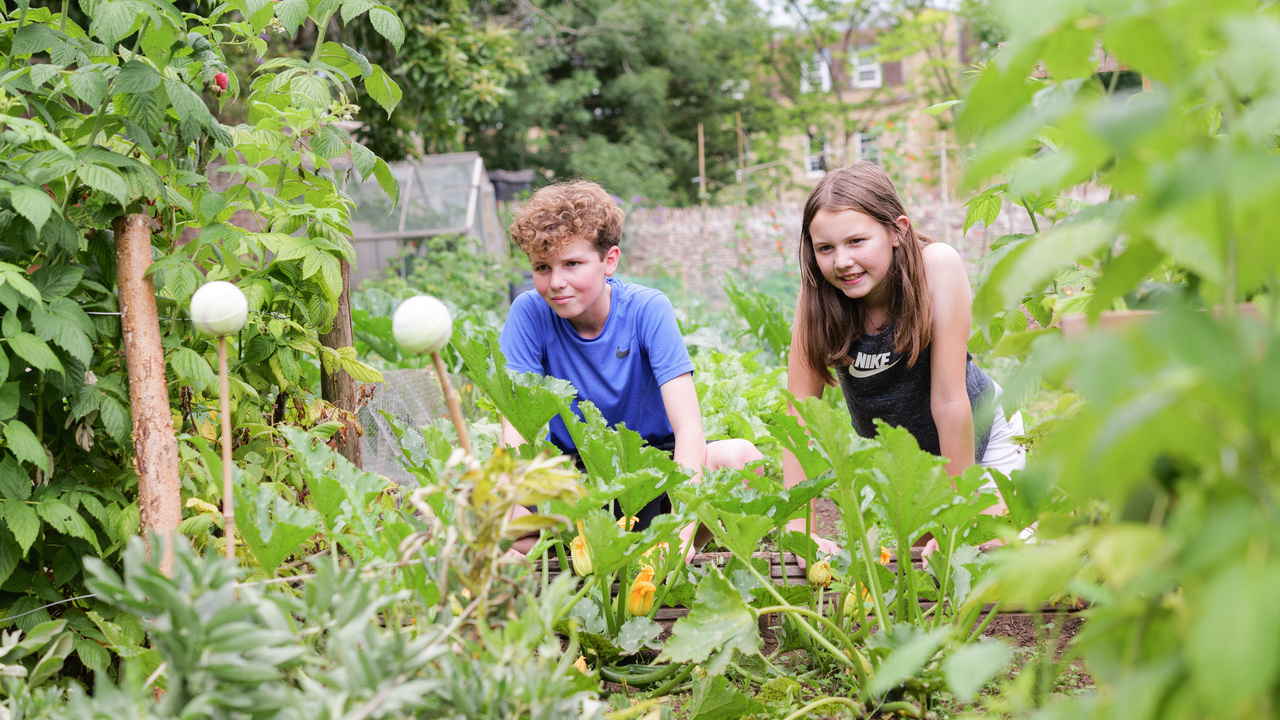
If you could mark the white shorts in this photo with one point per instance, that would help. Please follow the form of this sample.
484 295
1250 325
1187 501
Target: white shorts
1002 453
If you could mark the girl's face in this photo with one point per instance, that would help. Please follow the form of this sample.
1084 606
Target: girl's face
855 252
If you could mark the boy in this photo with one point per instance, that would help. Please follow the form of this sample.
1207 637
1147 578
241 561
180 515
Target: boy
617 343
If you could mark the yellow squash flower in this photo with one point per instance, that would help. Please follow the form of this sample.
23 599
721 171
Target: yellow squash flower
640 599
626 524
820 573
581 665
885 555
581 554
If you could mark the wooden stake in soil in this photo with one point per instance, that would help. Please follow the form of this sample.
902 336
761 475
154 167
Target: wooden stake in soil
155 446
455 407
228 485
422 325
219 309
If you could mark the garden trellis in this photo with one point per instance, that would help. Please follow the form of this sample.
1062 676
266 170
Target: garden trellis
448 194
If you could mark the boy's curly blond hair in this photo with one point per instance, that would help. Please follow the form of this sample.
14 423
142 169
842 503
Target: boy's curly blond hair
560 213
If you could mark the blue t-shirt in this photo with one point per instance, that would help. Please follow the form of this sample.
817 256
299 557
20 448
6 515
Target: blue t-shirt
620 370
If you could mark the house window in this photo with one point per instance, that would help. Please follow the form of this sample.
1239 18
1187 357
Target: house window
865 72
868 145
815 75
817 151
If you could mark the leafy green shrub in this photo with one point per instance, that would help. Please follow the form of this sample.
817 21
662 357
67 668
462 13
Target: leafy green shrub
1170 460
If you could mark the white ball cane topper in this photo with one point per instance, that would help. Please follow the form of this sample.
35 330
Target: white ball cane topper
421 325
219 308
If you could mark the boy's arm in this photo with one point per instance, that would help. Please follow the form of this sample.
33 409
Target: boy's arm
681 402
510 438
680 399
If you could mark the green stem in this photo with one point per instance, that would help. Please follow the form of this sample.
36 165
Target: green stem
22 20
946 577
321 27
808 709
872 579
606 606
671 684
1034 225
567 660
982 627
860 668
586 587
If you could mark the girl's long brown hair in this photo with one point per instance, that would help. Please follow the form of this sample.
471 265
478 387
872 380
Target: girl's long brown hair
827 322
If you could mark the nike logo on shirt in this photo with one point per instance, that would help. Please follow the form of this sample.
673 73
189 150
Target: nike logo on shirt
622 353
867 365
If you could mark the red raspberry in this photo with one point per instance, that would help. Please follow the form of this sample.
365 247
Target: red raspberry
221 80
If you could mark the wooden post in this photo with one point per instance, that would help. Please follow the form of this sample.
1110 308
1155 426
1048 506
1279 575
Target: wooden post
702 168
338 388
228 486
155 446
742 158
451 399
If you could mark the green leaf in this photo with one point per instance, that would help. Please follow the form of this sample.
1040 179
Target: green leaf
115 418
388 181
310 92
112 20
89 86
360 60
273 528
384 91
330 142
9 557
970 667
92 654
353 8
291 14
611 547
192 368
104 180
33 204
984 207
911 647
137 77
34 351
740 533
714 698
1236 610
388 25
32 38
1032 263
186 103
637 633
23 522
212 203
910 483
14 481
363 159
15 278
527 401
718 624
54 281
10 397
62 518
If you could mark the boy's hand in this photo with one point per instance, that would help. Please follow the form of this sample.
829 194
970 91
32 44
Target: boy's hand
825 546
692 538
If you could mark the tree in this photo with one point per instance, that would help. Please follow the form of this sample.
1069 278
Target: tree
110 124
453 66
617 89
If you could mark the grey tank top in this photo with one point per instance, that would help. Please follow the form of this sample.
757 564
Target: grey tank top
880 385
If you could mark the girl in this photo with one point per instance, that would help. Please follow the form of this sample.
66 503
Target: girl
890 311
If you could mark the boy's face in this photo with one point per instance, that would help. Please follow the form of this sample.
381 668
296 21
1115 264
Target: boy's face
572 281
